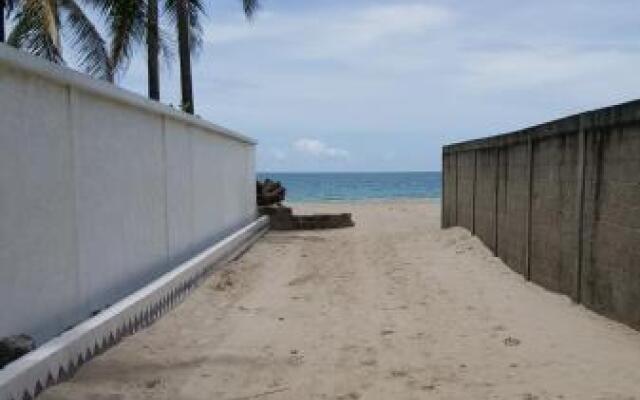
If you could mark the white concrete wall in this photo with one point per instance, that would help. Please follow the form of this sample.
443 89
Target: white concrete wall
102 191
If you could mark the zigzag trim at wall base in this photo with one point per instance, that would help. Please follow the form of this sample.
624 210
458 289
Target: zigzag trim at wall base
58 359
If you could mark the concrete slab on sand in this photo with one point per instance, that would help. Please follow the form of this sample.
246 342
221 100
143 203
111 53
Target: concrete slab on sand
394 308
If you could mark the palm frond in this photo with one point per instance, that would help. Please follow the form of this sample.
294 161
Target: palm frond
167 45
51 20
9 6
250 7
36 30
128 23
91 46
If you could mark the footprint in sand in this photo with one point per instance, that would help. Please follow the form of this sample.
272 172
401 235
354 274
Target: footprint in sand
349 396
369 362
295 357
499 328
150 384
397 373
511 342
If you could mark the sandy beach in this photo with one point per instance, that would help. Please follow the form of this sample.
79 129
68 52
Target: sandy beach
394 308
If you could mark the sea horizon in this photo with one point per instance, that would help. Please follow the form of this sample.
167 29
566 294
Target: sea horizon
357 186
348 172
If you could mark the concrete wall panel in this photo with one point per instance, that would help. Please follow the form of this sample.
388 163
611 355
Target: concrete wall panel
466 171
611 276
36 206
120 197
450 190
554 223
512 206
486 185
179 190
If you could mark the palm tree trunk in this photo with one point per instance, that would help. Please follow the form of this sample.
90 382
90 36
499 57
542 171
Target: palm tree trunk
153 73
2 11
185 56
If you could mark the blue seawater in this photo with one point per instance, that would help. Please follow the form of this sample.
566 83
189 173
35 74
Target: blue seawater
347 186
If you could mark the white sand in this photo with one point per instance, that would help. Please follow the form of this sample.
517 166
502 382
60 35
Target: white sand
392 309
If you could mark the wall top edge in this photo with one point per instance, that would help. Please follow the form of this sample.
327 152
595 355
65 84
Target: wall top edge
19 60
617 115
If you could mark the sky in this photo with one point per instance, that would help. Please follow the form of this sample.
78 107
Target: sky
335 85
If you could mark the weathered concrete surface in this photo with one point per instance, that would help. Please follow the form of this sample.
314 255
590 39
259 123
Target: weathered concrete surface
553 250
567 204
283 219
486 192
101 192
449 193
465 182
512 206
611 267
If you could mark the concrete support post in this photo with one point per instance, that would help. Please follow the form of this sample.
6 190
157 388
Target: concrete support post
456 201
580 206
529 204
444 208
495 208
473 194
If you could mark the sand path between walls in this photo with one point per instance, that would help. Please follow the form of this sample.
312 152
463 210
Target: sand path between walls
394 308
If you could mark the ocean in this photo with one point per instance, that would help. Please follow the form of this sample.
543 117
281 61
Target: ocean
348 186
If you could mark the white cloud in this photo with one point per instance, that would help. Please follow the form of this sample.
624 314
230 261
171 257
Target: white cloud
319 149
335 33
380 21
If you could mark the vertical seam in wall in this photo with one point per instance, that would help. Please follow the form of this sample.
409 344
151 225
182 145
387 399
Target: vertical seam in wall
165 180
74 182
506 198
456 202
529 203
192 189
580 205
443 207
473 195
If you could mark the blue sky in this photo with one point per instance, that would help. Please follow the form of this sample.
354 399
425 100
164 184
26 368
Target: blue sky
359 85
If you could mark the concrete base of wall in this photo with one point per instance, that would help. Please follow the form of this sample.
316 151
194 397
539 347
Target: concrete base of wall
283 219
59 358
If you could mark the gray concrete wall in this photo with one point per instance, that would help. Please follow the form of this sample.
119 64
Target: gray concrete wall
449 187
103 191
553 220
465 190
611 254
558 202
512 207
486 192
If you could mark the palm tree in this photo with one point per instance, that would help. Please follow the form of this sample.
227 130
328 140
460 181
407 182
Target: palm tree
131 22
126 24
184 50
153 50
184 13
38 25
